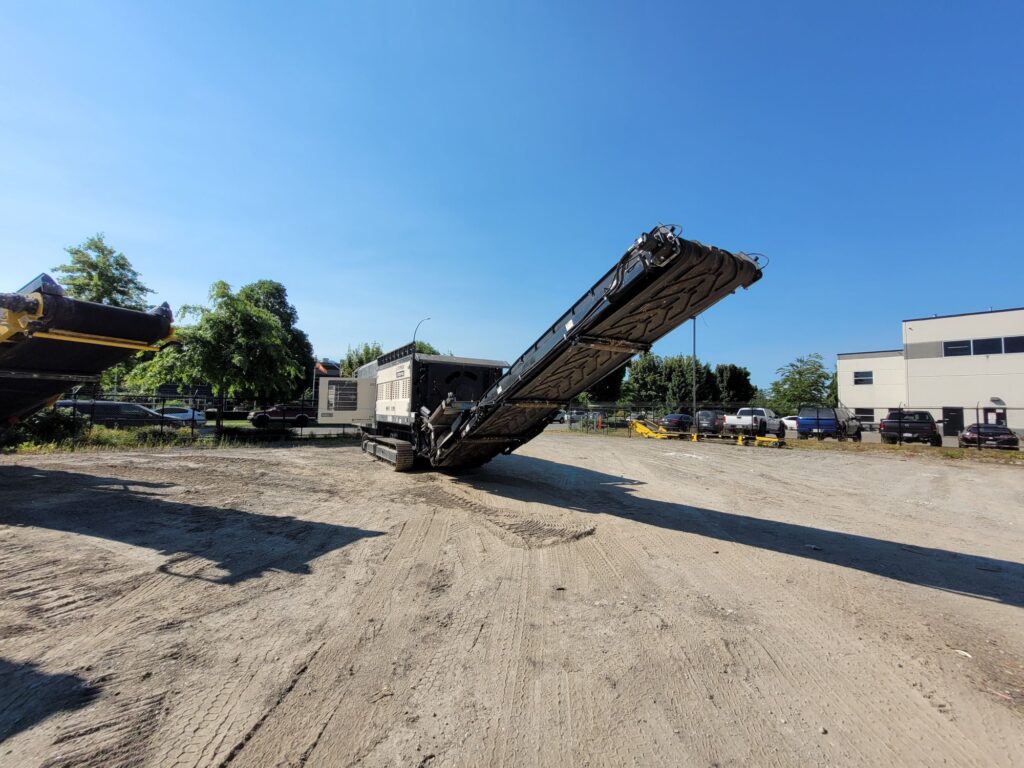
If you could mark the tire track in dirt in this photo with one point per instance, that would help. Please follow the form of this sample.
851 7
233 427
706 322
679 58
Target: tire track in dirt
334 684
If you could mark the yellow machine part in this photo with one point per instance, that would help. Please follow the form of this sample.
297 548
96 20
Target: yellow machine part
647 429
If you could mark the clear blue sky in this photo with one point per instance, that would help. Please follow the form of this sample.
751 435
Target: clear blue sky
484 166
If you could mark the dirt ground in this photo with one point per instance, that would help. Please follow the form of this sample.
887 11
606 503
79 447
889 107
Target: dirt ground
584 601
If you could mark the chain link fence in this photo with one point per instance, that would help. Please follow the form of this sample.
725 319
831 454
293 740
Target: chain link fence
939 425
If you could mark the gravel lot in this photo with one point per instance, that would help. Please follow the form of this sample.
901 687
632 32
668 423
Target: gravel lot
584 601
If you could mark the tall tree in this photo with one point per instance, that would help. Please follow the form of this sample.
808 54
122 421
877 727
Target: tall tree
360 355
805 381
240 347
96 272
647 377
426 348
679 371
734 385
273 297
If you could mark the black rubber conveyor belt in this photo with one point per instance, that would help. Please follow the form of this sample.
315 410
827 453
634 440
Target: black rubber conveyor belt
661 282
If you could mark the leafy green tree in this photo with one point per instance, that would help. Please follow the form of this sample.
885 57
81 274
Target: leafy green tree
647 377
96 272
679 376
805 381
360 355
238 345
273 297
426 348
734 385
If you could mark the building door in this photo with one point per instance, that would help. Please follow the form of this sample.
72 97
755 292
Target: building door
954 421
995 416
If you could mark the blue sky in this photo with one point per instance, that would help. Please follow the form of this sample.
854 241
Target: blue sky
484 165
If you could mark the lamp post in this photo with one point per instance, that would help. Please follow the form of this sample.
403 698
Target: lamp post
693 389
415 331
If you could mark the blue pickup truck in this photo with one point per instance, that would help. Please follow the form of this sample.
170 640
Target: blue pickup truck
839 423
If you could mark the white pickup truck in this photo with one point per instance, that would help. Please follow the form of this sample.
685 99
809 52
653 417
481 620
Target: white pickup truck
755 421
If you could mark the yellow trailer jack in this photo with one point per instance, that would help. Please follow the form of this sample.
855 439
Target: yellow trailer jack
768 441
655 431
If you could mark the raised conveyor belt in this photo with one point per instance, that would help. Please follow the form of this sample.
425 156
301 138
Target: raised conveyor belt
661 282
49 343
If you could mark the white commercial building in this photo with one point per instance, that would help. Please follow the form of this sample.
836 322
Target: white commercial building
962 368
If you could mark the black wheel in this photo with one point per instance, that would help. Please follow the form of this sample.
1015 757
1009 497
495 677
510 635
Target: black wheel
857 436
261 421
936 442
301 420
781 434
762 428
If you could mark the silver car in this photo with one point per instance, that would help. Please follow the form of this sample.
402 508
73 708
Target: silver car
181 413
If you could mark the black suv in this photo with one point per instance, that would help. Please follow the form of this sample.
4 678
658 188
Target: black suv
116 414
902 426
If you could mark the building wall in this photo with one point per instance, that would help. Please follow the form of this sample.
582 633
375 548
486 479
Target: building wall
924 374
935 379
888 387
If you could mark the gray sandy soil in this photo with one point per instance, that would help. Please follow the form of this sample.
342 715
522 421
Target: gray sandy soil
584 601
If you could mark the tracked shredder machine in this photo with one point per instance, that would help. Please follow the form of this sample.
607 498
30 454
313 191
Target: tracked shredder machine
454 413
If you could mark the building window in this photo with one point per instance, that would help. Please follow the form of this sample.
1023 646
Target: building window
864 415
1013 344
956 348
988 346
863 377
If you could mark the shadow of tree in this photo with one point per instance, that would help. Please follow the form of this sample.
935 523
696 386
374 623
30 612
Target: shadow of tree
241 545
525 478
31 696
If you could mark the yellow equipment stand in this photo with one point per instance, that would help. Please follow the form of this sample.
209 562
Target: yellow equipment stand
655 431
768 441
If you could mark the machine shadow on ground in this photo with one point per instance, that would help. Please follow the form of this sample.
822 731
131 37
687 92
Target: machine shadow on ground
31 696
241 545
528 479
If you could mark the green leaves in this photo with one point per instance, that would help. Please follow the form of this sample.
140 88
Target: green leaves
244 344
805 381
98 273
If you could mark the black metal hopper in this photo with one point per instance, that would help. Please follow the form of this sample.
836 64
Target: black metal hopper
49 343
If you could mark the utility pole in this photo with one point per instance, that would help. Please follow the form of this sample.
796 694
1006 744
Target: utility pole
693 388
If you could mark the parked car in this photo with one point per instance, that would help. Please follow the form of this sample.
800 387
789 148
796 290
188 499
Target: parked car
910 427
291 415
110 413
559 418
990 436
677 422
791 422
755 421
710 422
839 423
181 413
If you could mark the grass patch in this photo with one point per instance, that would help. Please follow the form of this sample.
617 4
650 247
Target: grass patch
99 438
911 449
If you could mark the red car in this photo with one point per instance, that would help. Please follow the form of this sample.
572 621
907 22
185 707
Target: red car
290 415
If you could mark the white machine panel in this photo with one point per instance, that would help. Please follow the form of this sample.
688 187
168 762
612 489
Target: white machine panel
346 401
394 393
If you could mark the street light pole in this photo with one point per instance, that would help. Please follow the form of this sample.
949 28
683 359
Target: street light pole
693 389
415 331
